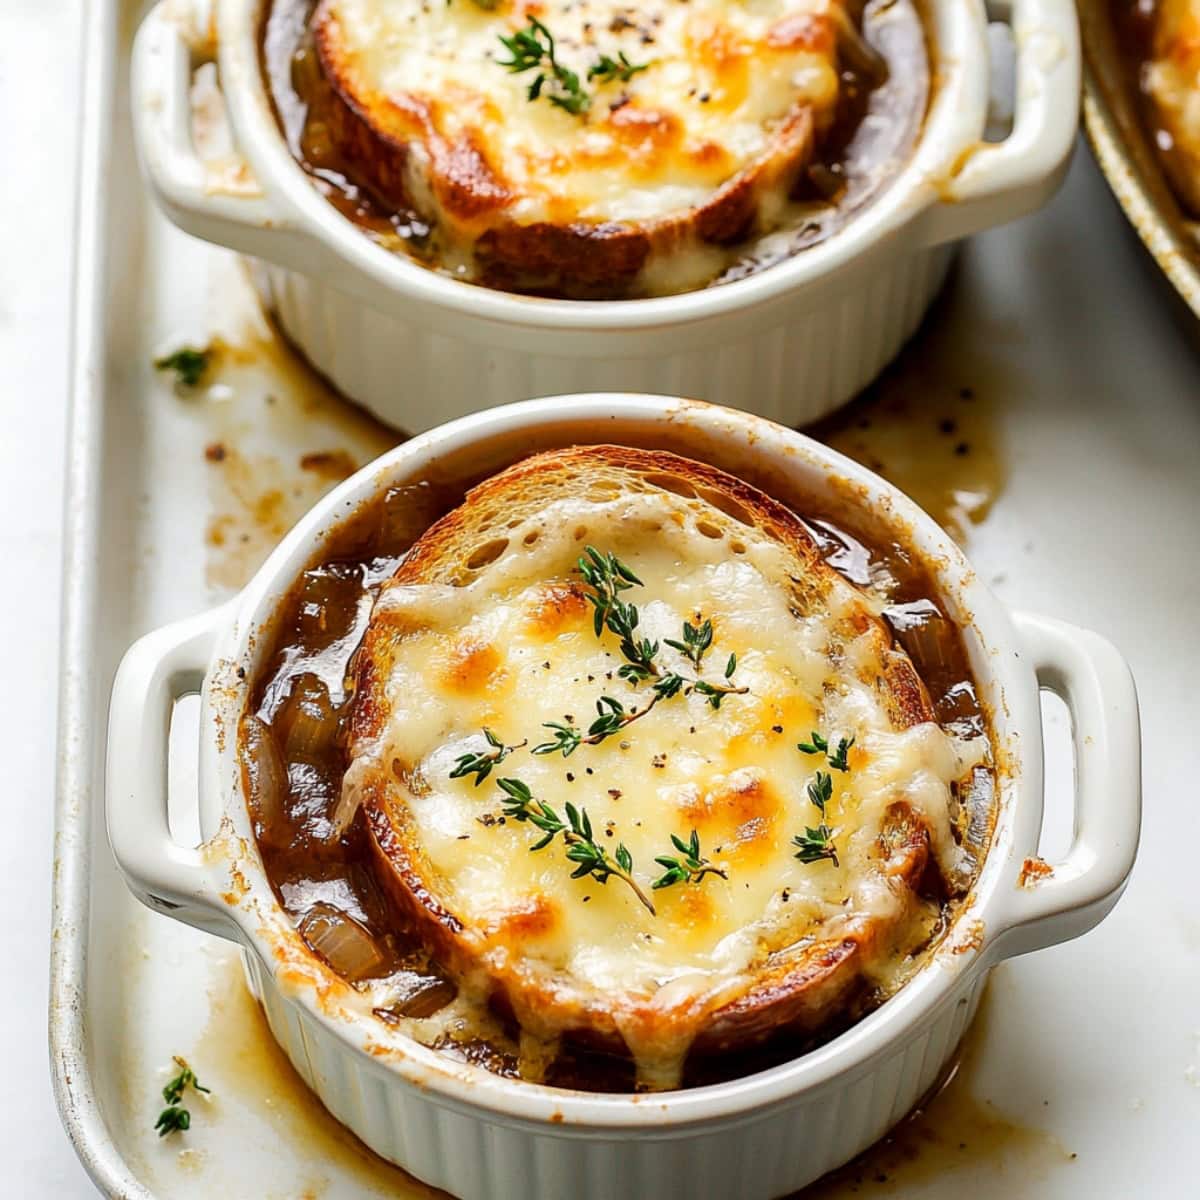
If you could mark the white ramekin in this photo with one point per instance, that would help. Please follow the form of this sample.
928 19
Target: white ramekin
790 343
486 1138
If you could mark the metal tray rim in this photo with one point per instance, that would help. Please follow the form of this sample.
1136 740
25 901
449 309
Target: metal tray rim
73 1086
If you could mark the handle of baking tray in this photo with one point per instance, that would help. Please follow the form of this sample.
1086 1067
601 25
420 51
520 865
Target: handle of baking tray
1057 901
173 39
995 182
155 672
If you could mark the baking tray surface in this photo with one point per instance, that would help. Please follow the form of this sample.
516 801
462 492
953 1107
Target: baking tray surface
1057 438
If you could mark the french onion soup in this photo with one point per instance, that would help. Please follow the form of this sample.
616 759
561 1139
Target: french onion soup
617 773
593 149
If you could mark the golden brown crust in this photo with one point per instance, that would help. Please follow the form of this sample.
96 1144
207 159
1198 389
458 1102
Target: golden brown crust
799 990
375 133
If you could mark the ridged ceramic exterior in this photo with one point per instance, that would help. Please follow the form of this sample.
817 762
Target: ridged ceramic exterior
756 1137
789 342
770 1155
809 355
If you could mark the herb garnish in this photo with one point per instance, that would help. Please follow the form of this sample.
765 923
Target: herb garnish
691 869
817 844
480 765
820 745
696 640
589 857
607 69
612 717
175 1118
188 364
533 48
607 577
820 790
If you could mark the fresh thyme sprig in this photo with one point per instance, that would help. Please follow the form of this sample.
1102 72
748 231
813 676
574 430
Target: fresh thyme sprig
175 1118
690 869
607 69
819 745
820 790
612 717
696 640
589 857
607 577
532 48
813 845
480 765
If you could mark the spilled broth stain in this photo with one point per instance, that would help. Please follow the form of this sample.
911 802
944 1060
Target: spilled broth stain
930 426
280 437
955 1132
238 1057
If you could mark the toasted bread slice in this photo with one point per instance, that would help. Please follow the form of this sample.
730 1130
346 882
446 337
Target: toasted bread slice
484 646
692 137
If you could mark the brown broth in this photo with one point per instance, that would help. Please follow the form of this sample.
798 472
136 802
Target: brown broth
301 703
874 130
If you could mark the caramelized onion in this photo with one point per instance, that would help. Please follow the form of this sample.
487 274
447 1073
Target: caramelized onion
928 638
417 996
342 942
308 722
267 782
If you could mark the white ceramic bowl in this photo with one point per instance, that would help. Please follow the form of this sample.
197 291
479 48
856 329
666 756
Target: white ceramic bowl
487 1138
791 342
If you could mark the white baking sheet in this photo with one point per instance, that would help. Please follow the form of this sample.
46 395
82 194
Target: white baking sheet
1059 362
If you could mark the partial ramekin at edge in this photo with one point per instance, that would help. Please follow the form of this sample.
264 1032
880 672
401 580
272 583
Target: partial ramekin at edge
791 342
487 1138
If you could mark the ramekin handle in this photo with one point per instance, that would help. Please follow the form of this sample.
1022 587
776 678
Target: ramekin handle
155 672
1001 181
172 39
1095 683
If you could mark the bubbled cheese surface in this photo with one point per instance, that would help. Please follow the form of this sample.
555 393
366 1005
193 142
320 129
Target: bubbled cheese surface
721 77
516 648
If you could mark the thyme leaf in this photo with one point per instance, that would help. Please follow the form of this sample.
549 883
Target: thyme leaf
607 577
480 765
173 1092
607 69
696 640
188 364
175 1118
691 867
817 744
838 760
813 845
532 49
589 857
816 844
820 790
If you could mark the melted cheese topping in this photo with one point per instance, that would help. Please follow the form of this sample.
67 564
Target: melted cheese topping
722 76
515 649
1172 79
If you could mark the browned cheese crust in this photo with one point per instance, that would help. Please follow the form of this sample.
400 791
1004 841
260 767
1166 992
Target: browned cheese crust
800 989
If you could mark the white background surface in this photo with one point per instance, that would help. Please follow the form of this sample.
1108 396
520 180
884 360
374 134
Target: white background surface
1100 524
40 69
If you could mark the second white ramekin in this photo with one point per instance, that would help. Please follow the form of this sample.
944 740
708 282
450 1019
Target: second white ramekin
487 1138
791 342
